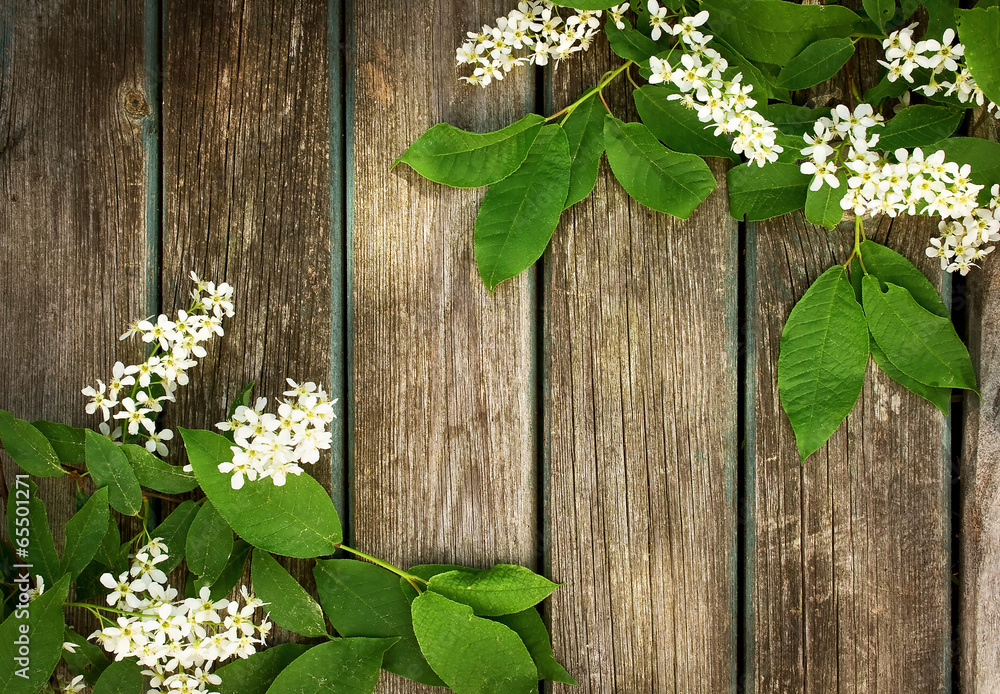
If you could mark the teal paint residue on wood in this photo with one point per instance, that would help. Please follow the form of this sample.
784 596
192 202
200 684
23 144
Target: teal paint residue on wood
749 461
151 148
341 108
732 444
6 42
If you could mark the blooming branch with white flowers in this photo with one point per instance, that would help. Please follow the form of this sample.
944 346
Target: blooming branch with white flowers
178 640
176 345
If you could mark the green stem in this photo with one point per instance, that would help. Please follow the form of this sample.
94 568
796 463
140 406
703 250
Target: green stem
608 76
859 227
93 608
410 578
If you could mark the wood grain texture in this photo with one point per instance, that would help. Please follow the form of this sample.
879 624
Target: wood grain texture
640 422
444 453
73 184
246 197
979 614
847 554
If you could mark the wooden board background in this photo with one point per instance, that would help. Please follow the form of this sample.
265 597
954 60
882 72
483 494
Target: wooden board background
609 418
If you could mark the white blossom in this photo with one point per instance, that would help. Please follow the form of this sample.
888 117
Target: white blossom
138 390
945 61
617 14
537 29
903 182
99 401
274 446
178 641
726 105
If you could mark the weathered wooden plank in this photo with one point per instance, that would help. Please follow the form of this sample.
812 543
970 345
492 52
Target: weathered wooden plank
74 116
641 411
847 554
444 454
979 573
246 195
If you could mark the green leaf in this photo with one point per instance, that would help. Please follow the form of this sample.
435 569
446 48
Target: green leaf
88 584
822 361
585 133
880 11
763 86
121 677
28 528
979 30
922 345
663 180
154 473
28 658
232 573
818 62
174 531
772 31
823 205
940 16
939 397
918 126
795 120
529 626
503 589
290 605
886 90
362 599
67 441
255 674
630 44
79 500
762 193
339 666
28 447
457 158
427 572
88 660
889 266
110 468
677 126
294 520
209 543
471 654
519 214
107 551
84 533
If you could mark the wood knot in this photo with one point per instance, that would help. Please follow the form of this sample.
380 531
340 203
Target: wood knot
135 104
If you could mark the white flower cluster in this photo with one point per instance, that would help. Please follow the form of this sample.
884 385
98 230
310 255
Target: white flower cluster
273 446
830 136
178 640
536 28
901 183
137 390
721 102
963 241
904 55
